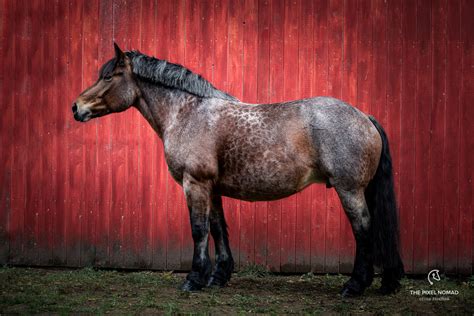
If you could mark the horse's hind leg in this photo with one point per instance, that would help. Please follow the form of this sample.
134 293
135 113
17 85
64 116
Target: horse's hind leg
224 261
357 211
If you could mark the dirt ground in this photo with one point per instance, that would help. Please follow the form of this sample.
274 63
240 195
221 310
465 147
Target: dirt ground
253 290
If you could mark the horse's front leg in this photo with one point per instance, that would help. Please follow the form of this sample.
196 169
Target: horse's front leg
198 197
224 261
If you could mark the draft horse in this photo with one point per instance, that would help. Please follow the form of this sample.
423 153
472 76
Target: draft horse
217 146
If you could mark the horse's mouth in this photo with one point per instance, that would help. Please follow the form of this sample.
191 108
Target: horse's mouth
82 118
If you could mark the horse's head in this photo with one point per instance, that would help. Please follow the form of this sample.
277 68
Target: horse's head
114 91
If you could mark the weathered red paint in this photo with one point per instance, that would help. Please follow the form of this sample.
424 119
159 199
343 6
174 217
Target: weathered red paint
99 193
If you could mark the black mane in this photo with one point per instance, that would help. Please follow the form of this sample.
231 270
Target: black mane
172 75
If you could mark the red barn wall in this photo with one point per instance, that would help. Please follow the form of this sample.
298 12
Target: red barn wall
100 194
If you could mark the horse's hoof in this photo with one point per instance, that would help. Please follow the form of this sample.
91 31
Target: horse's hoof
352 288
348 292
191 286
216 282
387 289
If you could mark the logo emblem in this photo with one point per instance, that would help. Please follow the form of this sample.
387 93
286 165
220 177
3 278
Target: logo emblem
433 275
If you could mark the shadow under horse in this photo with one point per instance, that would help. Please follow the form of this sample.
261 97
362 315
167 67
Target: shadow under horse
217 146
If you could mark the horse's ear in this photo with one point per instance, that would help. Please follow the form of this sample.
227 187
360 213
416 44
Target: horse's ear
119 54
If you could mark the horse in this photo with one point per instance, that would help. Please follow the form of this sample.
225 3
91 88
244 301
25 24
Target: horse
216 145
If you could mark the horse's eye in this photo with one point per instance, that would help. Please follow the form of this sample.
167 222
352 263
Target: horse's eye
108 78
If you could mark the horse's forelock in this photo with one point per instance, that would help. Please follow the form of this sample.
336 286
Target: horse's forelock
108 67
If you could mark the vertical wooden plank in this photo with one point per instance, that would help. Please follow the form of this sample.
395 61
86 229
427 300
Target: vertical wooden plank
75 205
89 69
34 187
20 154
334 209
364 55
247 209
422 136
263 96
291 91
125 140
438 112
379 61
5 176
394 86
49 140
6 128
305 83
119 153
136 247
64 116
407 128
452 139
276 95
466 153
105 212
152 220
234 73
319 211
161 224
220 45
206 43
349 94
131 246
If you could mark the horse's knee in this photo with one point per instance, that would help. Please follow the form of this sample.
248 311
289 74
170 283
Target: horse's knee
199 230
356 209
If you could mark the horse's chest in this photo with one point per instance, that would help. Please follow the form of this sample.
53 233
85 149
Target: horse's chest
174 156
195 158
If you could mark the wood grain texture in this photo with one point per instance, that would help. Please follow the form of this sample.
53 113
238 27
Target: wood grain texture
276 93
100 193
319 201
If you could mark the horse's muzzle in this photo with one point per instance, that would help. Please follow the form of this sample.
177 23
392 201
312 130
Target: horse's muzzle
78 116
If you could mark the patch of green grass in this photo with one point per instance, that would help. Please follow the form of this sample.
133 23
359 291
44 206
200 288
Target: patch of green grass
470 282
245 303
254 271
342 307
170 308
86 290
253 290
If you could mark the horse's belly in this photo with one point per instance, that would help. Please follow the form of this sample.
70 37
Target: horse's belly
263 184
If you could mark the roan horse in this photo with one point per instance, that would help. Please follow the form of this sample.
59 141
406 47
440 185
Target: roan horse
217 146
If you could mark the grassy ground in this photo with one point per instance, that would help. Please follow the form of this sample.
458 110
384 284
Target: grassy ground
31 290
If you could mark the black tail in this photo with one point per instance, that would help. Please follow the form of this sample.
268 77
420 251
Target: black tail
380 197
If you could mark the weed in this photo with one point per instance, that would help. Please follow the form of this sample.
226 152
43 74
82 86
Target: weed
254 271
170 308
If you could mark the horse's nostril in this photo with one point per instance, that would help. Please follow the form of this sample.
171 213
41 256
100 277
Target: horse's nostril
74 107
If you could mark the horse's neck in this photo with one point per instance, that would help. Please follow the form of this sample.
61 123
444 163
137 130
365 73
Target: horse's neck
160 105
